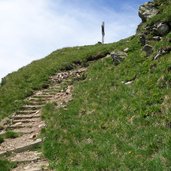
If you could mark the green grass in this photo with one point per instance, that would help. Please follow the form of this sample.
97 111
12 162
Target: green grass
1 139
11 134
113 126
6 165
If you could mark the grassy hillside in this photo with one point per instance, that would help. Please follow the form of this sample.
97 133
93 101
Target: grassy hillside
120 115
111 125
18 85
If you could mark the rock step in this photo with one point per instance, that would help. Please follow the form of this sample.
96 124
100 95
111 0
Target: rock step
26 120
21 131
56 87
26 116
41 165
35 101
27 111
26 130
47 96
32 107
53 90
25 157
31 102
22 125
18 145
32 98
3 132
50 92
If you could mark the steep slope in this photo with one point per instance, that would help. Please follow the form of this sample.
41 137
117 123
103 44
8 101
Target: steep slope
119 116
18 85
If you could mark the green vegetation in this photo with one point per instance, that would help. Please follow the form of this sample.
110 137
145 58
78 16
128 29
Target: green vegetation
8 134
110 125
1 139
11 134
18 85
164 14
6 165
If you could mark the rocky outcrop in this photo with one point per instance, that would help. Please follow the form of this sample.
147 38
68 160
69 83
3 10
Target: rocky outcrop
162 51
118 56
161 29
147 10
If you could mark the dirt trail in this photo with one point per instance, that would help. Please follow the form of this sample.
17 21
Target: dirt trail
27 123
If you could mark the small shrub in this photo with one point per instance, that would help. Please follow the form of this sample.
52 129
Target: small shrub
11 134
1 140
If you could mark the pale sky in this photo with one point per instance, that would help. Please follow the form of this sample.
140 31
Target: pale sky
31 29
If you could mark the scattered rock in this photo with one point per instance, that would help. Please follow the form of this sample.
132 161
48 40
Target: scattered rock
4 123
42 125
126 50
142 40
69 90
33 136
148 50
118 56
168 124
161 52
162 29
129 82
157 38
146 11
166 105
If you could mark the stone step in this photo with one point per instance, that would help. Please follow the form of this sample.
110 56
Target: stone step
32 102
21 131
36 101
18 145
25 157
41 165
26 120
26 116
50 91
3 132
26 111
45 96
21 125
56 87
32 107
26 130
49 95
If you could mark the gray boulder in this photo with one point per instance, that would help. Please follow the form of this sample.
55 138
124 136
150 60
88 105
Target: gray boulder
118 56
148 50
162 29
142 40
157 38
146 11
